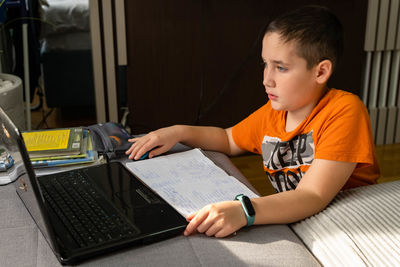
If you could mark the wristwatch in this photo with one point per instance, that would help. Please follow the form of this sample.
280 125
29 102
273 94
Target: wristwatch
247 208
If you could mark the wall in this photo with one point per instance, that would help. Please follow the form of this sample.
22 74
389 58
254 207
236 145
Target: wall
198 62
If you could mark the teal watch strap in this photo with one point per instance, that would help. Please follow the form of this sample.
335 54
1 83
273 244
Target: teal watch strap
247 208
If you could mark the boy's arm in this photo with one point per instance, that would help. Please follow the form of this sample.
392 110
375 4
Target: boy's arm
210 138
160 141
316 189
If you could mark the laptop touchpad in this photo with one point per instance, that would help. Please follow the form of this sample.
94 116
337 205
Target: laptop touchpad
141 196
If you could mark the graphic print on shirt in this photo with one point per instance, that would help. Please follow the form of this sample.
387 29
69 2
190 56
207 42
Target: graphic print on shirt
283 159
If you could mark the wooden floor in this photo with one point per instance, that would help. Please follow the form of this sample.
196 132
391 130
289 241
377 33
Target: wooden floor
389 162
249 165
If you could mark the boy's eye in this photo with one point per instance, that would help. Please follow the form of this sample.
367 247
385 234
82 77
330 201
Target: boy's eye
281 69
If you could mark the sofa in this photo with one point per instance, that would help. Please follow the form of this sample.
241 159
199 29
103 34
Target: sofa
360 227
66 53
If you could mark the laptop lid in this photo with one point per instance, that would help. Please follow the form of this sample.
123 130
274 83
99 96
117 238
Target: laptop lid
154 218
19 171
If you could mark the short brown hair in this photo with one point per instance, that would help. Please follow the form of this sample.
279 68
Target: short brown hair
317 31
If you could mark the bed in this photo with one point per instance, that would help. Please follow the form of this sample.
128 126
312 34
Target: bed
66 53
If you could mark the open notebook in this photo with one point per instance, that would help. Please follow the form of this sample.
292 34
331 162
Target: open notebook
188 180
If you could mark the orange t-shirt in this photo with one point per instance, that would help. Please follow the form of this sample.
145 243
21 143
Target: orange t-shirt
338 128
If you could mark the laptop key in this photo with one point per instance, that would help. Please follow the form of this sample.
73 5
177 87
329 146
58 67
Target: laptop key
88 217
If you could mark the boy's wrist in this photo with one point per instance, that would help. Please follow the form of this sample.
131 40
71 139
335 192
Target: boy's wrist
248 208
242 215
184 133
179 132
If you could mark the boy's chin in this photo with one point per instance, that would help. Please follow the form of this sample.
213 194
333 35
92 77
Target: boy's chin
277 106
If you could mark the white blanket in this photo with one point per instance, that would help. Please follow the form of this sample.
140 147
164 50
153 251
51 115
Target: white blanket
59 16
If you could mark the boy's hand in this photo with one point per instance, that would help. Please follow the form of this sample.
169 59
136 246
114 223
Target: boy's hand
219 220
162 140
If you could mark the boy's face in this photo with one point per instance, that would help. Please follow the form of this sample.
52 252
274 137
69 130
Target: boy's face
289 84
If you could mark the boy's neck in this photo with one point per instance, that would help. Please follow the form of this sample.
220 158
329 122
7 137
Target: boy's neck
294 118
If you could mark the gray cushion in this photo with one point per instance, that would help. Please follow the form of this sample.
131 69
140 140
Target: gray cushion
359 228
274 245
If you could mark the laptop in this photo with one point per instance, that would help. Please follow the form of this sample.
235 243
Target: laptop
91 210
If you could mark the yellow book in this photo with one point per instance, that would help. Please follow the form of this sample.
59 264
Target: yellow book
84 148
53 142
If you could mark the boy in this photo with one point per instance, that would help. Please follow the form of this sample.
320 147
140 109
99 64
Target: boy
315 141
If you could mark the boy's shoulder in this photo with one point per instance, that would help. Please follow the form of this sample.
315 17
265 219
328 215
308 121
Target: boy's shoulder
343 98
339 93
340 101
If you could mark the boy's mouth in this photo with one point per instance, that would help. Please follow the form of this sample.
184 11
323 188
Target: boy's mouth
272 97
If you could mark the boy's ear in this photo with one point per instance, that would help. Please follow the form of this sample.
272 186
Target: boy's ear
323 71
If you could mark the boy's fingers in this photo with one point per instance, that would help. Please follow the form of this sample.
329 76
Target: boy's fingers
191 216
206 225
137 147
195 222
146 147
222 233
213 230
134 151
157 151
132 147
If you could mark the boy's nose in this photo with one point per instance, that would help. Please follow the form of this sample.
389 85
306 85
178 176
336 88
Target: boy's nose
268 82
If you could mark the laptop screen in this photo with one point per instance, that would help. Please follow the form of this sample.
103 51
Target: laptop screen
18 168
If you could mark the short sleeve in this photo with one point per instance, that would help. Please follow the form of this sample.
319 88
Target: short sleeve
346 133
248 133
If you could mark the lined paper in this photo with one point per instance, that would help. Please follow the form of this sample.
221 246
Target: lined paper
188 180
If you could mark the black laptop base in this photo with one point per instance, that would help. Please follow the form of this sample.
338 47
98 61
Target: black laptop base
99 209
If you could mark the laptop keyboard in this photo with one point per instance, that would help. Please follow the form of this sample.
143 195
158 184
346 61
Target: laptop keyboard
90 219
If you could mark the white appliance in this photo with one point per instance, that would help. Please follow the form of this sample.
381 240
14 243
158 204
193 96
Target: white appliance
11 99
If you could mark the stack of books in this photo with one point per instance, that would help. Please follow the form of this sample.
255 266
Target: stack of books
59 147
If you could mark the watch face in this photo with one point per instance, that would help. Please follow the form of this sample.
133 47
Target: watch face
249 206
